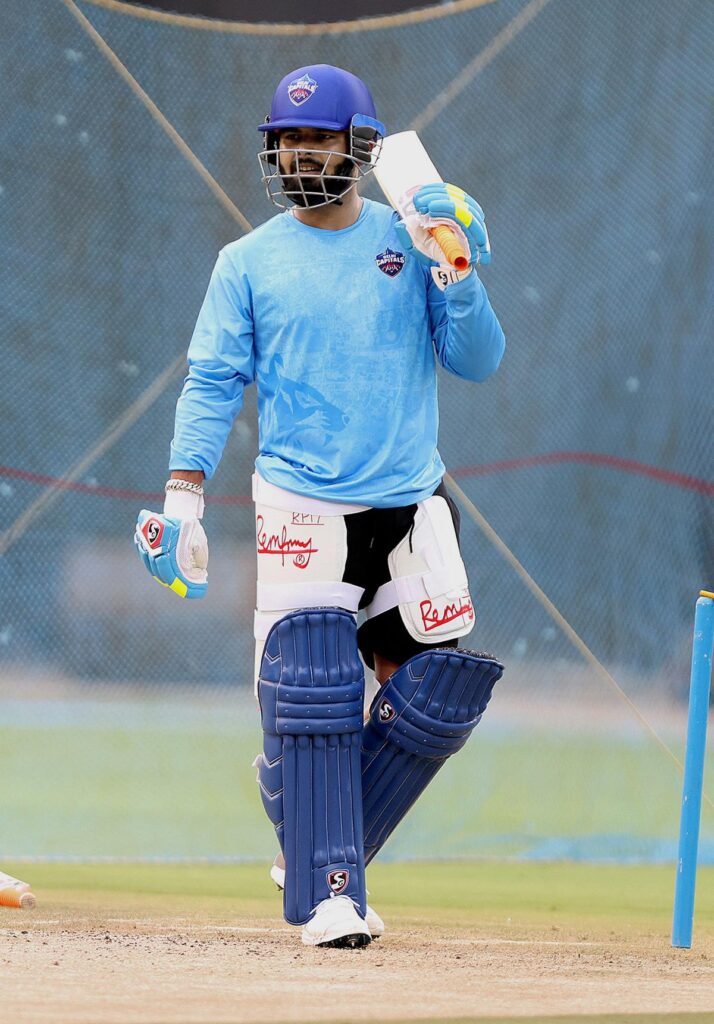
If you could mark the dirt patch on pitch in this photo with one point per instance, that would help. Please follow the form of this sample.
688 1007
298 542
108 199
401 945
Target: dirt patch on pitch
73 969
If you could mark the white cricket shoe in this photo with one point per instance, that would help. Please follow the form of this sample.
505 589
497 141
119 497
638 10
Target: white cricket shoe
372 919
336 923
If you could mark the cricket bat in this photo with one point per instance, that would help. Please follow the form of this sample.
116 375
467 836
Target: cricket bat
401 170
14 893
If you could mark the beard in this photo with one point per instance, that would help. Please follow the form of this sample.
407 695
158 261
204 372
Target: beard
312 189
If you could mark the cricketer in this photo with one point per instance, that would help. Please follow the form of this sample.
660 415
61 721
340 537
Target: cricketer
339 311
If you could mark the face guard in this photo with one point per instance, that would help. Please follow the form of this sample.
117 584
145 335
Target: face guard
307 184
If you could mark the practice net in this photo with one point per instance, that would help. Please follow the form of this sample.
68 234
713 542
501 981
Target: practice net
127 723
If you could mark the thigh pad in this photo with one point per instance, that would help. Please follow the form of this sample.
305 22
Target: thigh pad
428 578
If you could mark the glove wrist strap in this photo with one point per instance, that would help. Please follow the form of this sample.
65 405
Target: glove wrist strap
183 504
444 275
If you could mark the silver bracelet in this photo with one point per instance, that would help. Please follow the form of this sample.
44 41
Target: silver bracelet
184 485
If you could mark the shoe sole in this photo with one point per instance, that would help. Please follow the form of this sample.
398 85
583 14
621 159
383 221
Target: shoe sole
357 941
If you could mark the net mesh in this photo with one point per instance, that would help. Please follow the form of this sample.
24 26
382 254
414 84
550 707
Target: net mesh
127 726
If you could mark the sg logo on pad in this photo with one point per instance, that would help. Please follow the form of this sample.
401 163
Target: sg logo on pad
386 711
337 880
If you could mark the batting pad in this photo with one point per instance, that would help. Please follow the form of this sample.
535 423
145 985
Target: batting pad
311 692
425 712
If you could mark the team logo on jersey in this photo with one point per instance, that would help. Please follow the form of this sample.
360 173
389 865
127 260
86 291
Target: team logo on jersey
153 530
337 880
390 262
386 711
301 89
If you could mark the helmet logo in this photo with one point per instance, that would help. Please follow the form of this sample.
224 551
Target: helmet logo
301 89
390 262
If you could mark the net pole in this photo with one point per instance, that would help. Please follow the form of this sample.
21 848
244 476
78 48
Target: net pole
699 685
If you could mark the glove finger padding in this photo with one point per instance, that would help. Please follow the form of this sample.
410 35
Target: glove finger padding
142 554
439 190
175 552
441 203
192 551
450 209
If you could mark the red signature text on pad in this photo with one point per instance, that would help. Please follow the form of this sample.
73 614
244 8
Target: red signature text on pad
432 616
299 551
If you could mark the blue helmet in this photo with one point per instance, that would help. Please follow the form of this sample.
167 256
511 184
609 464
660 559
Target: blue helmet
321 96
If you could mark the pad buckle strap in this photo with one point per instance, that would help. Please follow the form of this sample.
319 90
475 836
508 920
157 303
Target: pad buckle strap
292 596
263 622
417 587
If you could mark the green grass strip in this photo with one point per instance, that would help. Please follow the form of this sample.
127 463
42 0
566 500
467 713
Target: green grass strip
586 899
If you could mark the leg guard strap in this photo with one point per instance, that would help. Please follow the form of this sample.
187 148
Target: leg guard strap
311 690
424 713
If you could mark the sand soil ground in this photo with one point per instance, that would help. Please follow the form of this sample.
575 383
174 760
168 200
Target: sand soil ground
69 965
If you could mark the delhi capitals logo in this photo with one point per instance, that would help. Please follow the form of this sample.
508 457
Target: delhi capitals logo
390 262
301 89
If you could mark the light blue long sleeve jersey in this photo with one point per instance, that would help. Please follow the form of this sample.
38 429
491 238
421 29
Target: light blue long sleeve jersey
341 334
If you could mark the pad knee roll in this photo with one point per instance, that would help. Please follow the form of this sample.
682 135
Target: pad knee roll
424 713
311 692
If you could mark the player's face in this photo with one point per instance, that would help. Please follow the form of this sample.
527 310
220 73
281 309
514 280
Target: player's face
306 154
319 141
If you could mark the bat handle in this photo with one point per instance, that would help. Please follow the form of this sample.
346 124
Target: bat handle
450 246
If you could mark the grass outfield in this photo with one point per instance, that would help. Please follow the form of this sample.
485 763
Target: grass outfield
142 781
573 898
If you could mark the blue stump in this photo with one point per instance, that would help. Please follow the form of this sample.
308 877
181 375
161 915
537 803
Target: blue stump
700 682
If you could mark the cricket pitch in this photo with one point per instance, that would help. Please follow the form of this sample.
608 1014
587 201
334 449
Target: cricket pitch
178 944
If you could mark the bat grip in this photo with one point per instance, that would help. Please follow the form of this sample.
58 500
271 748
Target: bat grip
450 246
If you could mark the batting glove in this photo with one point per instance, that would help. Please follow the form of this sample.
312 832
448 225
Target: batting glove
174 550
441 203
